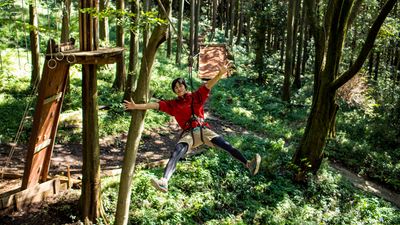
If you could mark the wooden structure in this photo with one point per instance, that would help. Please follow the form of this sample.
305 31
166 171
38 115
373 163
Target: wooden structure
211 56
48 107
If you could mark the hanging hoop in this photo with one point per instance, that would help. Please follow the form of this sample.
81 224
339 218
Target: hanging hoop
59 55
30 69
74 59
55 63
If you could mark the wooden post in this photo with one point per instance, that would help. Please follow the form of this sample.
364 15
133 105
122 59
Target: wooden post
89 202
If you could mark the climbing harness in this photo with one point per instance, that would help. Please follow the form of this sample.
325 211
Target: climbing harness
190 62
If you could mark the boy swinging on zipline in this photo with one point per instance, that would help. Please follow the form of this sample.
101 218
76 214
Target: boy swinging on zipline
189 113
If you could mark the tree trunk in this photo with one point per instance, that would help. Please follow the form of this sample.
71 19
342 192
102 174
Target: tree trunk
120 77
65 38
289 53
90 200
232 22
248 33
104 22
296 16
134 52
309 154
214 20
169 42
228 20
297 81
136 127
240 24
146 7
371 62
306 38
179 41
221 15
34 36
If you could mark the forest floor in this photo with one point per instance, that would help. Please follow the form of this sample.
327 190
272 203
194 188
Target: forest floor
157 145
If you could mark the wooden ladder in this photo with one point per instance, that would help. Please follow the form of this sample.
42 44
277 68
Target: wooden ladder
47 112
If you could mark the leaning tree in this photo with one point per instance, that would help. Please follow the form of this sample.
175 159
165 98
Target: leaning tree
329 35
141 95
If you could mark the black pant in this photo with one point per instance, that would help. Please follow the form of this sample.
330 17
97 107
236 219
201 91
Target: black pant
182 147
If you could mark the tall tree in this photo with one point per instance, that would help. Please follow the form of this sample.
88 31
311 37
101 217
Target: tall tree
297 82
240 30
192 26
66 16
120 76
289 53
214 17
34 37
231 24
104 36
309 153
180 38
142 95
133 52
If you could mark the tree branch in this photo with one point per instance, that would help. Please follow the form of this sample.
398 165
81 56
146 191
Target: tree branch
368 44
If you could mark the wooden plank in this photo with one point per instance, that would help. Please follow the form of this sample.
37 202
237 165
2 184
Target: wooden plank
42 146
99 52
53 98
25 197
11 175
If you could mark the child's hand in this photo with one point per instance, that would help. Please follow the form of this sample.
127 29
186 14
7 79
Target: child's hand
129 105
225 68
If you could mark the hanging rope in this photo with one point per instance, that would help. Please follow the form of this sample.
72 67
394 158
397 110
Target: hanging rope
22 124
51 47
26 41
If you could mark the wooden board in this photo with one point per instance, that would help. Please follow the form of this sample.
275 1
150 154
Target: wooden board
48 106
211 57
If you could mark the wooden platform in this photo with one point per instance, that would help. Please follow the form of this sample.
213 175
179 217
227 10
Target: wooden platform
100 56
210 58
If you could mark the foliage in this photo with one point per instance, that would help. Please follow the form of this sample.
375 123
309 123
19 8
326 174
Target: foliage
215 189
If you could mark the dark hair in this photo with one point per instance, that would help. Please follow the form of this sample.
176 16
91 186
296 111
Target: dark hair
180 81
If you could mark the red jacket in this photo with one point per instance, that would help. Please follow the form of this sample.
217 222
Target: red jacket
181 108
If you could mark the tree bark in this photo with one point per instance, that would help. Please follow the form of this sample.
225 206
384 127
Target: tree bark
240 23
297 81
289 53
134 52
309 154
248 33
104 36
90 200
65 38
34 38
232 22
136 127
214 19
179 41
120 76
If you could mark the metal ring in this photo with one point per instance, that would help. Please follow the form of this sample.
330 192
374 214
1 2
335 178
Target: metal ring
60 58
31 66
69 60
55 63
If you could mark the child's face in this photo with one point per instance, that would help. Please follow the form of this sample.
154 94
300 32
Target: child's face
180 89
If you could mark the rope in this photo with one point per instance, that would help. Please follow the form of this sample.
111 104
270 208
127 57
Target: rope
22 124
26 41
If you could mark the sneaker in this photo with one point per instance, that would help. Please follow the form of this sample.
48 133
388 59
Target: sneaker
160 185
254 164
